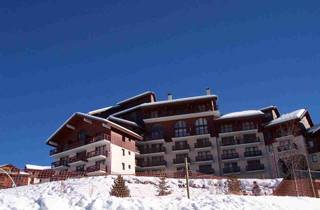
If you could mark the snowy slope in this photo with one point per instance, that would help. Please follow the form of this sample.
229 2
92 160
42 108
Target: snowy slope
93 194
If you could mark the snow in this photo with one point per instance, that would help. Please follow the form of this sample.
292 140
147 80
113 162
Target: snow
36 167
287 117
135 97
246 113
92 193
100 110
165 102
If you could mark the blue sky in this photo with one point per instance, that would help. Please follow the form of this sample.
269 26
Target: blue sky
59 57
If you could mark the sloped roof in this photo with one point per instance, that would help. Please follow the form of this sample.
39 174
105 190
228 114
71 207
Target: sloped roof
36 167
136 97
314 129
100 110
297 114
93 118
246 113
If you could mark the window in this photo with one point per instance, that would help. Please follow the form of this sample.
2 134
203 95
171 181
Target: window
202 108
100 162
201 126
123 152
123 166
82 135
180 129
157 131
80 168
226 128
248 126
314 158
251 149
129 153
228 140
129 166
154 114
204 154
311 144
229 151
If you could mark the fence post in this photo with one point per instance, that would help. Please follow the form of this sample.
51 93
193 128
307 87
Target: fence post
187 176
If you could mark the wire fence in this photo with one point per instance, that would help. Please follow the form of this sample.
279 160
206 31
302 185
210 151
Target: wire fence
303 183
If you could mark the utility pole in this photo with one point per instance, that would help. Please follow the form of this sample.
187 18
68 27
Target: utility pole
187 175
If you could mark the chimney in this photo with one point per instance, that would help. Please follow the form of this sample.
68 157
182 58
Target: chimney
208 91
169 97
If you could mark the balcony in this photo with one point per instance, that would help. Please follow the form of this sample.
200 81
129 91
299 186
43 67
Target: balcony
202 144
152 163
76 160
206 171
97 155
81 145
255 167
229 156
180 147
96 169
180 160
60 164
253 153
152 150
204 158
237 142
229 170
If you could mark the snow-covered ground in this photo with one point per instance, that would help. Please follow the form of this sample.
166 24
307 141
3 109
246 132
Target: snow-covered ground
93 194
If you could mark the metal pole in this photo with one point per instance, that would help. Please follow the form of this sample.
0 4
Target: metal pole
187 175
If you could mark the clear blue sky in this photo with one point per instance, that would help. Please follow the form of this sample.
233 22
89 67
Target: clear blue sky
59 57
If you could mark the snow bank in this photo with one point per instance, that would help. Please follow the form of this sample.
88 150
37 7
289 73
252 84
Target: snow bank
93 194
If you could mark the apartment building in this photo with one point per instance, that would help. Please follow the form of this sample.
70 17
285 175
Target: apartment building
163 133
85 143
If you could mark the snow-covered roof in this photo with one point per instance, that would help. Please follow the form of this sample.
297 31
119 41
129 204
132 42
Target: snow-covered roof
297 114
100 110
314 129
165 102
36 167
128 122
179 100
269 107
94 118
135 97
247 113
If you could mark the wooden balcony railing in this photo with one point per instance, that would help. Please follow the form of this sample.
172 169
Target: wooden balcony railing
76 159
255 167
59 163
229 156
96 153
152 150
202 144
239 141
233 169
90 140
204 158
253 153
180 160
180 147
152 163
95 168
